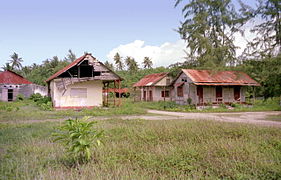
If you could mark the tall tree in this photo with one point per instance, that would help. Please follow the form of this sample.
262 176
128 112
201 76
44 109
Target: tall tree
70 57
131 63
208 28
147 63
6 67
109 65
16 61
267 42
118 61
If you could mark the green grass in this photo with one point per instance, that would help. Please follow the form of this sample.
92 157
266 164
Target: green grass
138 149
271 104
274 118
28 110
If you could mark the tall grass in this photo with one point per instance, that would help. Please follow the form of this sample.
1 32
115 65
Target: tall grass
138 149
270 104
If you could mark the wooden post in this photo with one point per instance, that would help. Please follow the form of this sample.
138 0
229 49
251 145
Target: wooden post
119 88
254 94
164 93
114 94
107 93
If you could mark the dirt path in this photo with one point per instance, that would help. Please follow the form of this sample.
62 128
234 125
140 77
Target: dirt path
258 118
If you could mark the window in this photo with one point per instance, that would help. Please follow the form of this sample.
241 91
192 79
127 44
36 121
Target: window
168 81
78 92
165 94
180 91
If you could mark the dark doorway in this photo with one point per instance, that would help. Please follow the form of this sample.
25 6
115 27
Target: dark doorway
218 93
144 95
150 96
10 94
237 93
200 94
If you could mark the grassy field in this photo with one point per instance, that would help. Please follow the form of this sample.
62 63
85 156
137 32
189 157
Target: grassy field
138 149
28 110
271 104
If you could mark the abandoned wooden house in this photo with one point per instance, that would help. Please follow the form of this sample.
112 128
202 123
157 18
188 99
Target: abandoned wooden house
210 87
154 87
13 84
81 84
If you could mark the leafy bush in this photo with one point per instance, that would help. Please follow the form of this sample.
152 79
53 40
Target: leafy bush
78 137
20 97
8 108
35 97
43 102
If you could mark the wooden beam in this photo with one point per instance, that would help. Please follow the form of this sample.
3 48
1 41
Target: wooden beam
114 94
119 87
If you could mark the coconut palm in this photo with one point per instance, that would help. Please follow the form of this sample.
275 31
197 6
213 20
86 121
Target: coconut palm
16 61
70 57
118 61
6 67
131 64
109 65
147 63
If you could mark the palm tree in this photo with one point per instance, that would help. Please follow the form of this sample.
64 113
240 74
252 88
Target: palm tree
109 65
131 64
16 61
118 61
147 63
70 57
6 67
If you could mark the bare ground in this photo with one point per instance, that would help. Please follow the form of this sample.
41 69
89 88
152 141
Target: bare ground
257 118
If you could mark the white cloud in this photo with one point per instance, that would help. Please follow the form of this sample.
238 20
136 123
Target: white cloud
163 55
170 52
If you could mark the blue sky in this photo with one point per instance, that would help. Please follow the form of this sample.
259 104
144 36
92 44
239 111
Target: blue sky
38 30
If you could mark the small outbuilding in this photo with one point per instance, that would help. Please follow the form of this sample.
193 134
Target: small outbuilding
81 84
13 84
154 87
201 87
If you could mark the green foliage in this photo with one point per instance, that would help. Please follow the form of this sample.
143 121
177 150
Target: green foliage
147 63
267 72
20 97
267 29
208 29
35 97
78 138
45 103
139 149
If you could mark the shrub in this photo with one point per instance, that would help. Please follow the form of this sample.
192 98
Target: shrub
35 97
189 101
43 102
78 137
20 97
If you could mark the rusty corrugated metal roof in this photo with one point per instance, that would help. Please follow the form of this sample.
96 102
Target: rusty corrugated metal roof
10 77
208 77
150 80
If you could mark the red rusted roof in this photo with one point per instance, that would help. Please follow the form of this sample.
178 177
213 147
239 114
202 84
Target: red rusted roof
10 77
208 77
66 68
150 80
122 90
